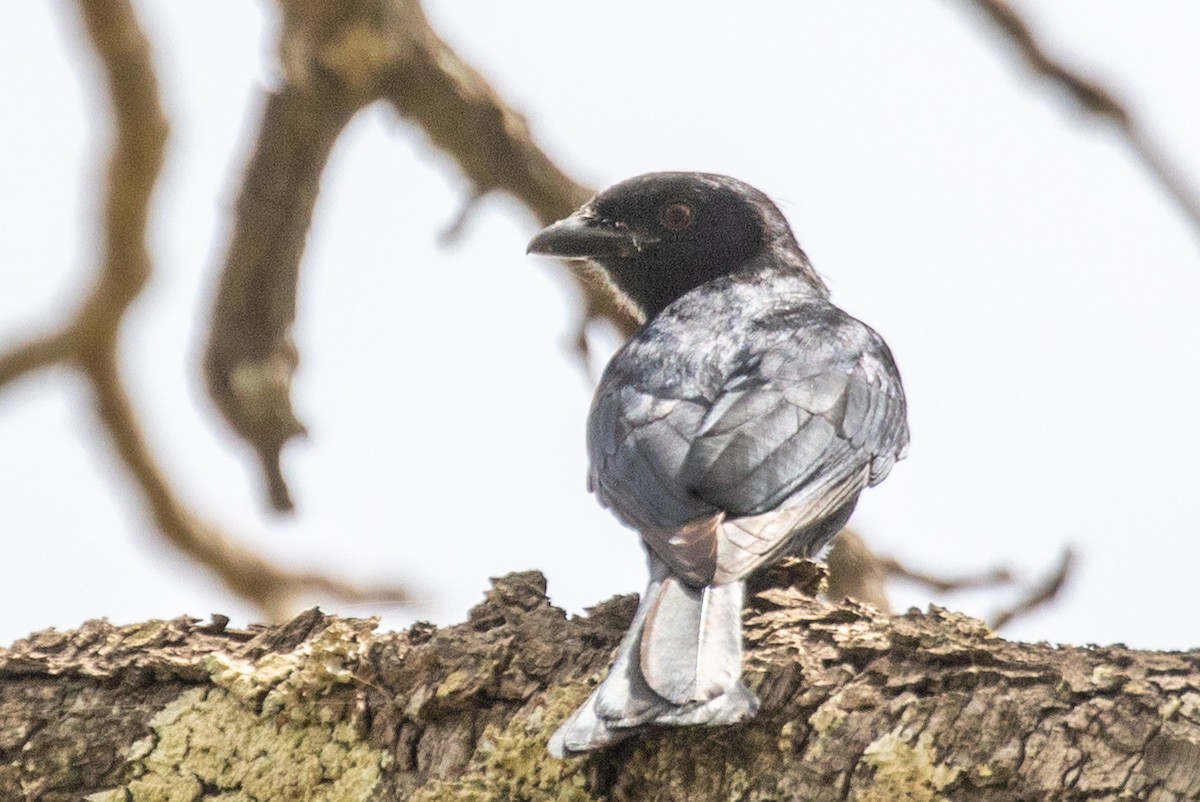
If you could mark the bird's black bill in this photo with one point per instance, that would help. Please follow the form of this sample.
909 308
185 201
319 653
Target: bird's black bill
579 237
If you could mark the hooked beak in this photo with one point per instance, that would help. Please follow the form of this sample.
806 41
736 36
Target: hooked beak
584 237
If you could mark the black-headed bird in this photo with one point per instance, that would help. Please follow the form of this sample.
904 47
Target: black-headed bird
738 425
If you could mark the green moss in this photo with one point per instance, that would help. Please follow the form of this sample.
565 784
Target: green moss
787 738
826 721
139 636
1169 708
512 764
906 772
455 683
286 682
207 739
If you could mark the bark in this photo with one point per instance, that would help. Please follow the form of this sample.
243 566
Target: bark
856 705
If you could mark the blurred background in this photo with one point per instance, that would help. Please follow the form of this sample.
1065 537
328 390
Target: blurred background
1037 287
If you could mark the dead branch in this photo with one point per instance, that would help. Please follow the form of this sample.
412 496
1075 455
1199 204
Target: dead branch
464 116
89 340
1097 99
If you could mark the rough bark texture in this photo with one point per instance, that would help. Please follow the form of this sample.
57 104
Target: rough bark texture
856 705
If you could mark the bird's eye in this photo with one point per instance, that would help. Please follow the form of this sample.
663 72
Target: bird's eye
676 216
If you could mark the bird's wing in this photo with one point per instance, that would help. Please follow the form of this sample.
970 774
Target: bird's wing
787 445
718 485
637 442
767 436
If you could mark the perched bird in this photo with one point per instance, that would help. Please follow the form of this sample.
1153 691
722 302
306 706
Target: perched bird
738 425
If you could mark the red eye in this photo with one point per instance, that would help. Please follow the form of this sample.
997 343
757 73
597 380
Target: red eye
677 216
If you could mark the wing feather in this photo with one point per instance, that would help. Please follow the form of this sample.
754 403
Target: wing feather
721 481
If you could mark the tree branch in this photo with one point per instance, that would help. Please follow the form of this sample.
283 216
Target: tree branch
33 355
339 56
89 341
856 705
857 572
1040 594
1097 99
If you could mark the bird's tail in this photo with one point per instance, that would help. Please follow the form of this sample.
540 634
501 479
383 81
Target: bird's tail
679 663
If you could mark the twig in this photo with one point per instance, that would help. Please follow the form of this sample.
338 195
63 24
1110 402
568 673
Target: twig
857 572
464 116
942 584
453 231
1041 593
31 356
89 341
1097 99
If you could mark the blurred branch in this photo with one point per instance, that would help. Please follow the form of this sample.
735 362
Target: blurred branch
1097 99
250 357
453 231
89 341
463 115
339 56
1041 593
941 584
32 356
857 572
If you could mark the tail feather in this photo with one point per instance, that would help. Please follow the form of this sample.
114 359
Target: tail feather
624 698
738 704
679 664
692 641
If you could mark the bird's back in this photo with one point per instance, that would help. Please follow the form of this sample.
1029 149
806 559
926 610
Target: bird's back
735 397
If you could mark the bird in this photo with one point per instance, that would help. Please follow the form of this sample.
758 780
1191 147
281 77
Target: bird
736 426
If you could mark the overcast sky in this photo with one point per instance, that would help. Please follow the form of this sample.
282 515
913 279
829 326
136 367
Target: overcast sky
1038 291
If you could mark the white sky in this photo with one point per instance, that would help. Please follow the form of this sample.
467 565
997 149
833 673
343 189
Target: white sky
1038 291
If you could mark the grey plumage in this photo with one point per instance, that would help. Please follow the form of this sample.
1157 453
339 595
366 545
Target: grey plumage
739 424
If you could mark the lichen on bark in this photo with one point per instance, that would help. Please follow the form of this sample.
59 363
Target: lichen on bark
856 705
209 744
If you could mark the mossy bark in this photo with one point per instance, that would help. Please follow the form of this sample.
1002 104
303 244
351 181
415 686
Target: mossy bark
856 705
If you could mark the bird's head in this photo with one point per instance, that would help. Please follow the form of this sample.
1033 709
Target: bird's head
661 235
